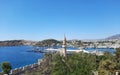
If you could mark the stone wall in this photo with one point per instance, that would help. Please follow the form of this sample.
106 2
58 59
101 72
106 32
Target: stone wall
28 68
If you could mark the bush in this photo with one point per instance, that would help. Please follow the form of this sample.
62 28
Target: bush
6 67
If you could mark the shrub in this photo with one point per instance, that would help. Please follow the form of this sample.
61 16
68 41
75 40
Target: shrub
6 67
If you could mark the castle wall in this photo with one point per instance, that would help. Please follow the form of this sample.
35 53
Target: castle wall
28 68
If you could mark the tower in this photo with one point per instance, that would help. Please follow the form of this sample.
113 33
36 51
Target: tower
64 47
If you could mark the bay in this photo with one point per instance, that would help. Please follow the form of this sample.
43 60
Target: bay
19 56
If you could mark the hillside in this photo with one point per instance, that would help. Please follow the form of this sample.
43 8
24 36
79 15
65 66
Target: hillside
117 36
16 43
48 42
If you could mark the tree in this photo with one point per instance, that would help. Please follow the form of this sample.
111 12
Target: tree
75 64
6 67
117 53
117 58
58 65
48 42
106 66
108 55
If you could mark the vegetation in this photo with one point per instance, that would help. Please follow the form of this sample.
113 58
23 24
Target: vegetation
117 58
77 64
16 43
44 68
48 42
86 64
6 67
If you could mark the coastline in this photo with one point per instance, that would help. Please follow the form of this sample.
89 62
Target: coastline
27 57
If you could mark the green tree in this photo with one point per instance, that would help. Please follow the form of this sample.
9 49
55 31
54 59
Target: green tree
75 64
82 63
106 66
58 65
103 72
108 55
117 58
6 67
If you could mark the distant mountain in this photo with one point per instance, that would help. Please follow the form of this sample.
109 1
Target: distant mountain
117 36
112 38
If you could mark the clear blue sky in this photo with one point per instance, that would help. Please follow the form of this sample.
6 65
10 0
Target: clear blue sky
42 19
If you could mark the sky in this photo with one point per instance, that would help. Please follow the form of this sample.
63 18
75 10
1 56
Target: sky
44 19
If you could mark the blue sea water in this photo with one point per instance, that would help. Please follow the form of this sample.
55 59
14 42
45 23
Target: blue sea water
19 57
111 50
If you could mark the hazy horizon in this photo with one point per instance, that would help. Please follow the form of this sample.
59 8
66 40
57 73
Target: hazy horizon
59 39
44 19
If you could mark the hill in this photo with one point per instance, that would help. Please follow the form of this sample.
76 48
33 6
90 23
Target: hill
16 43
48 42
114 37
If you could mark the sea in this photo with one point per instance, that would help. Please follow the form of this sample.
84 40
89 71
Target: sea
20 56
